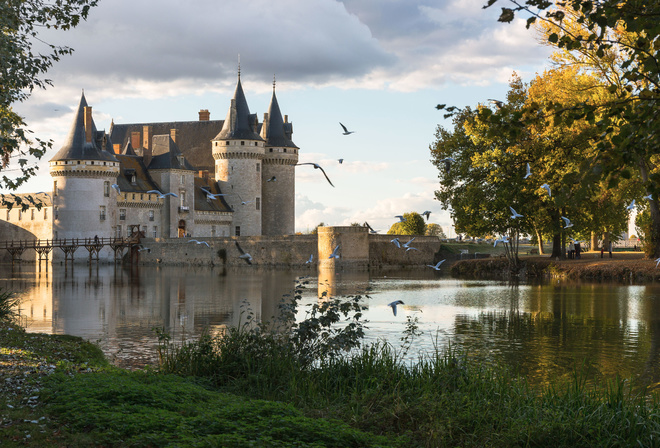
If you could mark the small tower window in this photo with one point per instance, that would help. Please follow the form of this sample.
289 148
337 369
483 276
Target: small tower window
106 189
55 188
122 214
45 213
8 214
242 143
183 179
284 149
155 232
102 213
56 212
32 214
133 180
258 167
238 230
258 203
151 215
20 214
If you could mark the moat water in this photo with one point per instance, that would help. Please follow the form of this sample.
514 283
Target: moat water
543 331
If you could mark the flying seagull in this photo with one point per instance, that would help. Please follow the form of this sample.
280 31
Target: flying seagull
334 253
529 172
371 230
346 131
318 167
116 188
499 104
447 161
162 195
410 248
631 206
547 188
648 197
212 196
501 240
657 262
427 213
311 259
272 179
407 245
394 304
401 218
340 161
567 222
437 265
244 255
515 213
396 242
199 242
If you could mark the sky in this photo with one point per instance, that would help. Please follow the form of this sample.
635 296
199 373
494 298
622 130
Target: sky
378 66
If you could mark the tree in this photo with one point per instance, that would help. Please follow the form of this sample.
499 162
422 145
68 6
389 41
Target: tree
315 230
621 40
413 225
434 229
21 69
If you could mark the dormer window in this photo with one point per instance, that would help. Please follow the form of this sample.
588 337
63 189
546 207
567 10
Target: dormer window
180 160
133 179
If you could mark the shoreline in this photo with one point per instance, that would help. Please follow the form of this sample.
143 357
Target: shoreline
622 267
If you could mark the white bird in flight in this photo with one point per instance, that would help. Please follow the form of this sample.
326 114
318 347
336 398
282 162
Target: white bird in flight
547 187
272 179
244 255
529 172
515 213
407 245
318 167
648 197
162 195
497 103
346 131
311 259
427 213
437 265
340 161
199 242
116 188
401 218
334 253
631 206
212 196
567 222
396 242
394 305
657 262
501 240
411 248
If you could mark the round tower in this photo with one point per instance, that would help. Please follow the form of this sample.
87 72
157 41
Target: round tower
83 171
238 151
278 174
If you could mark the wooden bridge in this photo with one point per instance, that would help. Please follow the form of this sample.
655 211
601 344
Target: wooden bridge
69 247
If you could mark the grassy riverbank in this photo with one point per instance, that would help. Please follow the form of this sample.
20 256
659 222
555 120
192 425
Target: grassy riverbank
623 266
256 387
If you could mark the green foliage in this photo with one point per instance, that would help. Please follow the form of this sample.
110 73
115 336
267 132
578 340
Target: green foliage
315 230
21 68
414 224
9 306
434 229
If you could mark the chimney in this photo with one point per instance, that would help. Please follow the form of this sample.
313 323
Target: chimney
147 134
174 135
116 147
204 115
286 118
204 174
136 140
88 124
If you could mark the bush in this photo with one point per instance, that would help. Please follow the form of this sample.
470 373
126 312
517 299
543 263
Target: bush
9 306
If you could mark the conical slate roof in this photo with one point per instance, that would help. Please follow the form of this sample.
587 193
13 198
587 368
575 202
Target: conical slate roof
76 147
273 131
238 125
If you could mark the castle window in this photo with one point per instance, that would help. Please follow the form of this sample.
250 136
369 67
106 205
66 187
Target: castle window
258 167
242 143
56 212
212 230
256 144
122 214
238 230
284 149
45 213
133 181
271 150
102 213
20 214
32 214
258 203
55 188
106 189
118 232
141 196
183 179
155 232
133 196
8 213
151 215
92 162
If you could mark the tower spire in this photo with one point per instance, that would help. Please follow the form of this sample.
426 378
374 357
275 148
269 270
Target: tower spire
273 82
239 66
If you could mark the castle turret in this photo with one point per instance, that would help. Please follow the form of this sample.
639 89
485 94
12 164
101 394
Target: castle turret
238 151
83 171
278 174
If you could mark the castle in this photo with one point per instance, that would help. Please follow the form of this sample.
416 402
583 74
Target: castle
231 177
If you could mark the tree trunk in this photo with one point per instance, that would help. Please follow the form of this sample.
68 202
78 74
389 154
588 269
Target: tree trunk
653 239
594 241
539 238
556 237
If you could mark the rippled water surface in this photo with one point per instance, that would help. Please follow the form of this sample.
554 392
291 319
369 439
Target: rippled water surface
542 331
